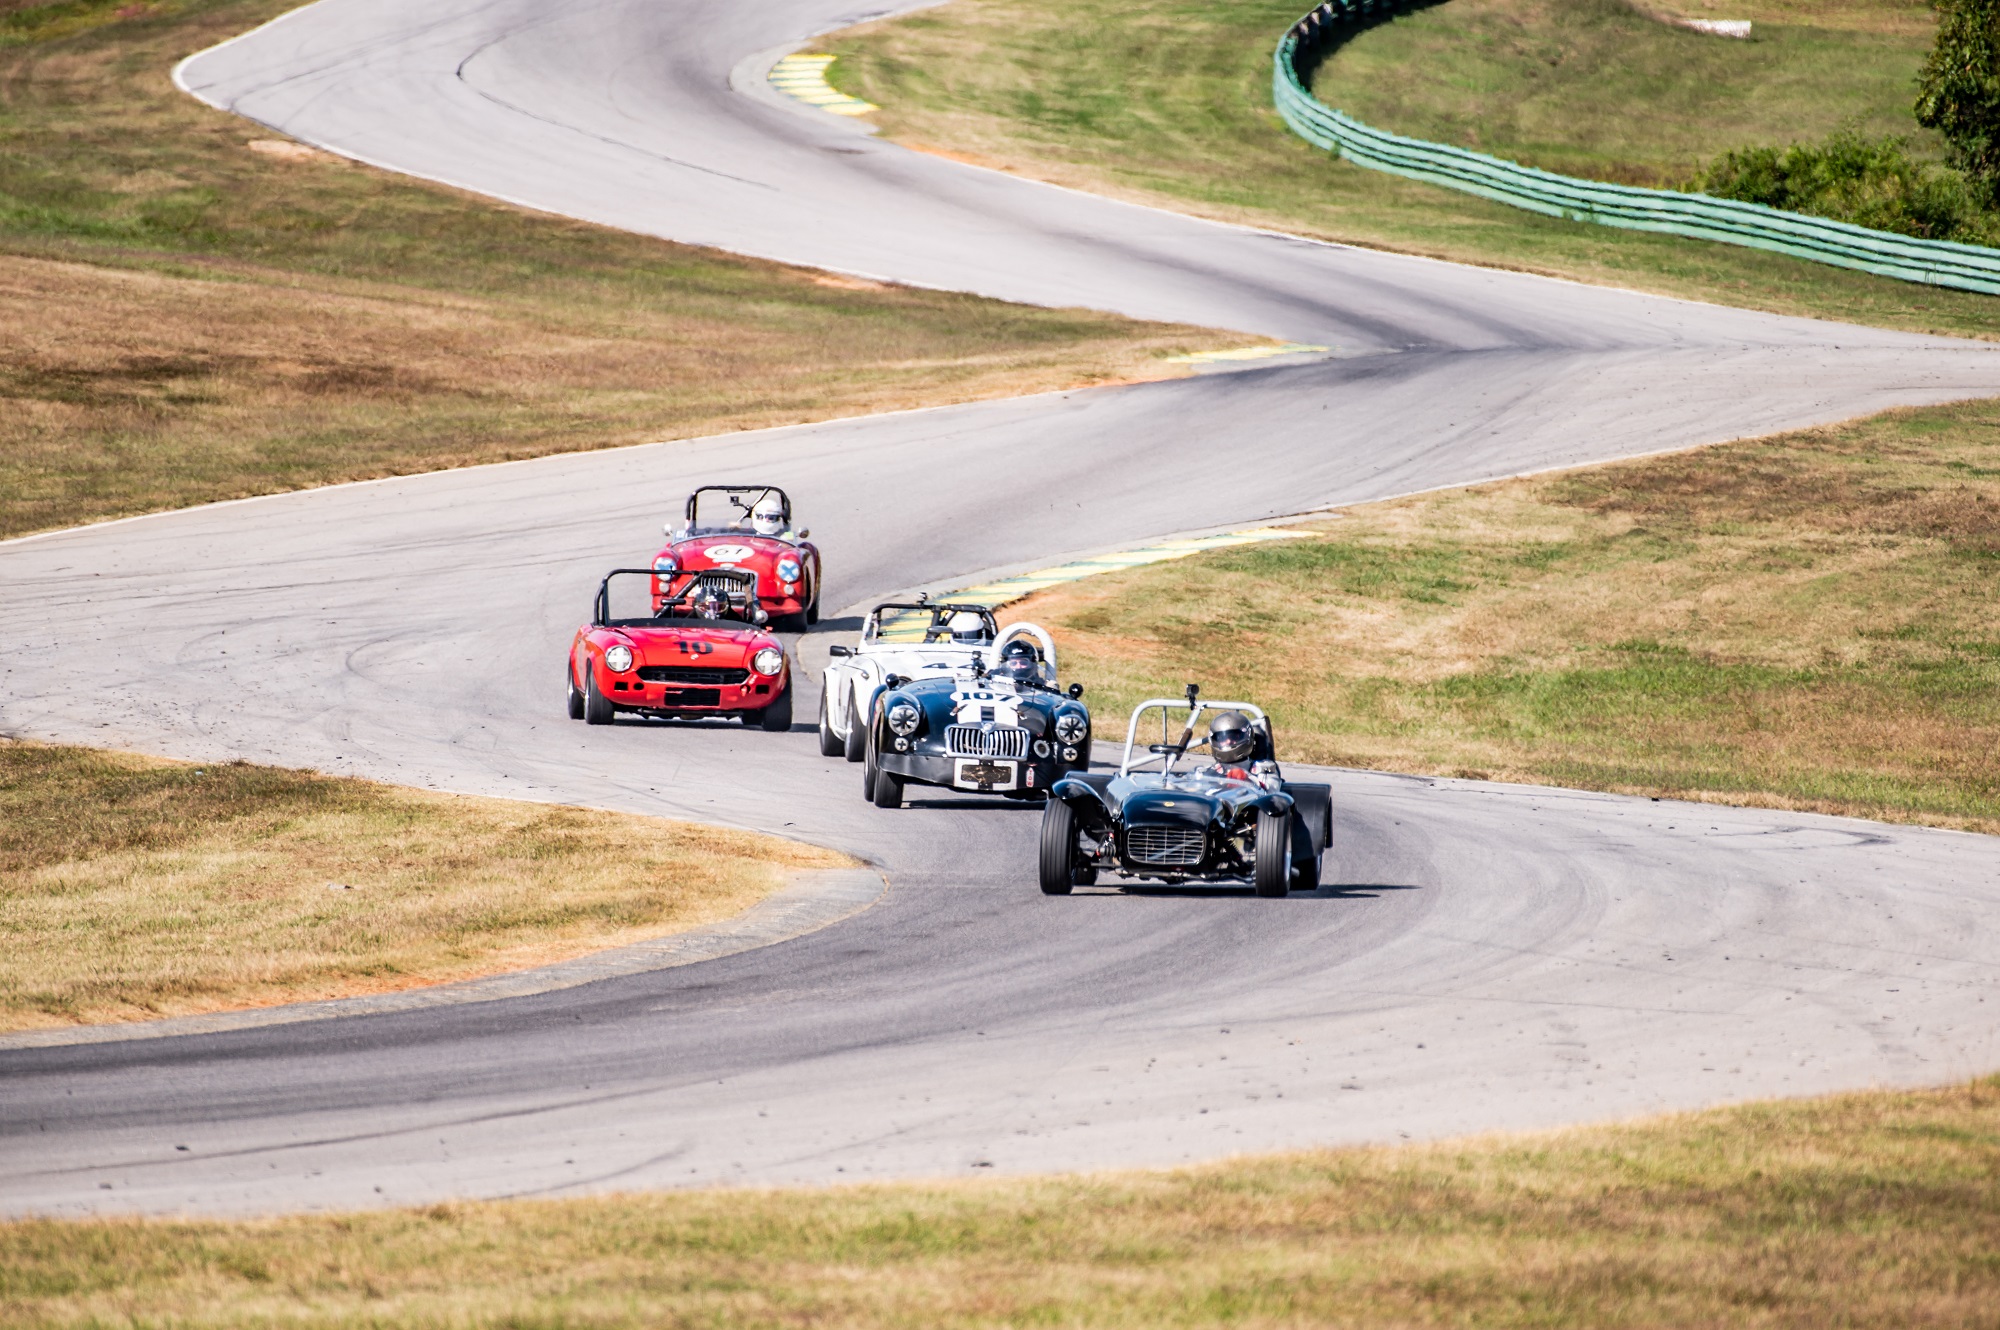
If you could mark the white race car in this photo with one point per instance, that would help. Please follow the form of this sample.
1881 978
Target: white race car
912 640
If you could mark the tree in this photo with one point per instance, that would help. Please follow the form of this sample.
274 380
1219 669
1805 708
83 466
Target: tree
1958 89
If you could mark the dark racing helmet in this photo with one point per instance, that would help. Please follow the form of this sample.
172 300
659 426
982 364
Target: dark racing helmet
1230 740
710 603
1018 661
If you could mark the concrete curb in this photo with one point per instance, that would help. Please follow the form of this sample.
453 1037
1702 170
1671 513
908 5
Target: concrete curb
812 901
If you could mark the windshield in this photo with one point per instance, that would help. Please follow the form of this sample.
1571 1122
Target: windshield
920 624
636 598
727 511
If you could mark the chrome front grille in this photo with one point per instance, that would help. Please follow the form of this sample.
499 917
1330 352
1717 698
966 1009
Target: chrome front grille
977 741
1174 843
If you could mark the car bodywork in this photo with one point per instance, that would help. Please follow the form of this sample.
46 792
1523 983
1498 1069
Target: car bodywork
1157 819
675 663
911 639
976 732
715 533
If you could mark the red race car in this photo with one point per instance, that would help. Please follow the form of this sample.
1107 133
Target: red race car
749 527
681 647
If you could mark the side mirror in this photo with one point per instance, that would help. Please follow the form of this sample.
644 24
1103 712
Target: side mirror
1075 691
840 651
805 533
894 681
668 529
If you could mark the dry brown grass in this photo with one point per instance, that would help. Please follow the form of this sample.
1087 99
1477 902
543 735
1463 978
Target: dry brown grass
193 310
1859 1210
132 887
1805 621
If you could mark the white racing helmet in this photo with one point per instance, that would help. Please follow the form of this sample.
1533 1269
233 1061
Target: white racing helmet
768 517
967 628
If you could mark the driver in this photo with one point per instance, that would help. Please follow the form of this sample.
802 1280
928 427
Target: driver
1019 662
768 518
1232 743
967 629
710 603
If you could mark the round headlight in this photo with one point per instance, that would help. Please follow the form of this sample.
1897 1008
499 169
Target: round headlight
903 718
1070 727
618 659
788 570
666 563
768 661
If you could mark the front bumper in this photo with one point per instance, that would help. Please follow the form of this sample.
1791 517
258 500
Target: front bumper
975 775
677 699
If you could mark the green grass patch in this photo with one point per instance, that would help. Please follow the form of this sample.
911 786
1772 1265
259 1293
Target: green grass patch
1171 104
1804 620
191 310
1858 1210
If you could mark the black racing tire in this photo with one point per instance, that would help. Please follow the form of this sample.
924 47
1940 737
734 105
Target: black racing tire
575 698
1305 863
1058 850
597 708
886 790
857 734
812 610
1274 854
830 744
868 774
790 623
777 718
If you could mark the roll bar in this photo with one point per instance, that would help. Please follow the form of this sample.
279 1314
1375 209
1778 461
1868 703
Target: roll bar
1167 752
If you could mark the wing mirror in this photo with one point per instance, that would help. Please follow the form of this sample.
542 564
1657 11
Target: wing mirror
1075 691
805 533
840 651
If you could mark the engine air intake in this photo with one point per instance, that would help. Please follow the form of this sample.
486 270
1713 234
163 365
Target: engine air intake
1174 844
682 674
977 741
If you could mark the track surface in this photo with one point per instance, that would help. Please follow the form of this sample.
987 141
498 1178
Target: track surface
1489 956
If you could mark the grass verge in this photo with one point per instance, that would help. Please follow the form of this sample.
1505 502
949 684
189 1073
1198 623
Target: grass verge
1801 621
191 310
1170 104
132 887
1861 1210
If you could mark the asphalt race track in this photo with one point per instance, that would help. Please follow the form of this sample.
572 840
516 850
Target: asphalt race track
1486 956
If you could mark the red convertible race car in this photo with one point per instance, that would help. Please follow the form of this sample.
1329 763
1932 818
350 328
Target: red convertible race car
679 646
749 527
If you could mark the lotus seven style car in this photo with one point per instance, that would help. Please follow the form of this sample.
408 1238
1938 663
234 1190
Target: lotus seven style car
749 527
1232 818
679 646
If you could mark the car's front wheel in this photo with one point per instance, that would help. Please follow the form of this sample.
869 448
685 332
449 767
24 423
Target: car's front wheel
830 744
857 737
777 717
1274 854
1058 850
597 709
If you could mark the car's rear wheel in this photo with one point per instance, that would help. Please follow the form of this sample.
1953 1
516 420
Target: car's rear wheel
777 717
857 736
575 694
1274 853
830 744
597 709
1058 856
1305 860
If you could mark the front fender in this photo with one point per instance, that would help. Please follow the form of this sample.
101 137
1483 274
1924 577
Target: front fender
1089 798
1277 803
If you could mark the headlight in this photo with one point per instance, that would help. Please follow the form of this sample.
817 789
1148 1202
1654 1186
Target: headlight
768 661
618 659
788 570
903 718
666 563
1070 727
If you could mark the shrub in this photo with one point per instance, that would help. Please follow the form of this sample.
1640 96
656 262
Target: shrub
1853 178
1958 89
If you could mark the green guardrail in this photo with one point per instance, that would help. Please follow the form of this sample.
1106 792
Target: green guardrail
1935 262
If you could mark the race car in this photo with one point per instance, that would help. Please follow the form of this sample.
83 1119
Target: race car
1005 730
917 639
1232 818
749 527
682 646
